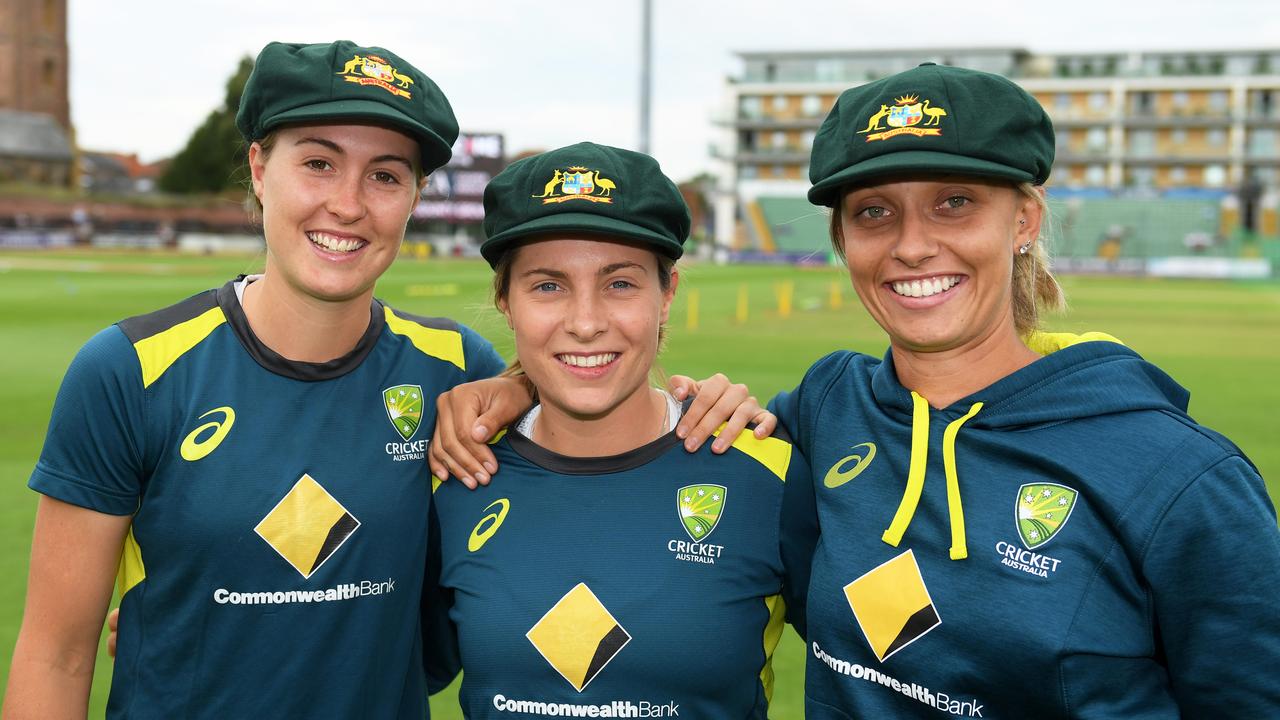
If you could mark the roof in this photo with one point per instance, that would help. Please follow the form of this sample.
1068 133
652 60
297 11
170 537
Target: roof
32 135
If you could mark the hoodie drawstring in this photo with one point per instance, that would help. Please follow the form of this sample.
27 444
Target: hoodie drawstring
915 477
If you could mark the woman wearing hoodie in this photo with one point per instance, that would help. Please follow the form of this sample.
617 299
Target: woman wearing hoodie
1008 530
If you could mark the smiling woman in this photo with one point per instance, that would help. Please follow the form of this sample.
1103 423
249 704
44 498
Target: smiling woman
1030 525
567 582
257 470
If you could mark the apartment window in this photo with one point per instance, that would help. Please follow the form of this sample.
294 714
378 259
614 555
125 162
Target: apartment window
1264 175
806 139
1216 137
747 140
811 105
1218 101
1143 177
1062 103
1262 142
749 172
1098 101
1142 102
1142 143
779 103
750 107
779 171
778 140
1177 174
1096 139
1095 175
1215 175
1180 100
1178 136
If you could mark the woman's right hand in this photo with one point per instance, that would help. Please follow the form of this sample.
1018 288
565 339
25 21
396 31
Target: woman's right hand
466 418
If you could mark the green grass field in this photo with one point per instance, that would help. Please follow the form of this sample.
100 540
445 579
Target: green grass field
1221 340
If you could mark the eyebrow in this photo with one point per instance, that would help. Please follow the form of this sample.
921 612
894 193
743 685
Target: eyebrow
335 147
606 270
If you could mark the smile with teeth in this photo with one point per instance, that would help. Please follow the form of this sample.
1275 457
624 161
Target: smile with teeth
333 243
587 361
926 287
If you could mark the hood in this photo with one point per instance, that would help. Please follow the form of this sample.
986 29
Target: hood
1081 375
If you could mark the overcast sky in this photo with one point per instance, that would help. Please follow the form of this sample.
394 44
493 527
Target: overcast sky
144 73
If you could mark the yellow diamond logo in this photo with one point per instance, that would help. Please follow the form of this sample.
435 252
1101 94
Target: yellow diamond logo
307 526
892 605
578 636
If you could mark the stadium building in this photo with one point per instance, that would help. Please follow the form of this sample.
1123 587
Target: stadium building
1197 130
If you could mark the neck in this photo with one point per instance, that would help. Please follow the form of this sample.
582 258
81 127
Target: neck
300 328
637 421
943 377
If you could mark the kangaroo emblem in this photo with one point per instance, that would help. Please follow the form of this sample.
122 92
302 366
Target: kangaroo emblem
874 122
551 186
351 65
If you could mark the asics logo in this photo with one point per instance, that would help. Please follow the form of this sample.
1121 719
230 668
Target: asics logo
488 524
842 472
195 447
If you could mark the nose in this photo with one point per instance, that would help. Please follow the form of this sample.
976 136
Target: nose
587 317
915 242
346 200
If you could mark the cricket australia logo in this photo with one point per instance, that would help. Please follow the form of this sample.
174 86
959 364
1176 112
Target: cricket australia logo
1041 510
699 508
577 183
403 404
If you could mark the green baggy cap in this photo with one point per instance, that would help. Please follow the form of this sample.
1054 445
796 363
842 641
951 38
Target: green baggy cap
585 188
342 81
932 118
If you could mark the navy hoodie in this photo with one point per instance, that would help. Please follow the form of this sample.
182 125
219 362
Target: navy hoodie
1066 542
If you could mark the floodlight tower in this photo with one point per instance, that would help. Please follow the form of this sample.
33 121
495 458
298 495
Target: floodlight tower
646 60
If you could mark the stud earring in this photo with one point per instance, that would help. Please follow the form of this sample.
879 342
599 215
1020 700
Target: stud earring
1022 221
1026 247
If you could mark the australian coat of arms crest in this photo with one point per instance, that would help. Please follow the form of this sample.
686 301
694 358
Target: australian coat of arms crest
907 116
374 70
577 183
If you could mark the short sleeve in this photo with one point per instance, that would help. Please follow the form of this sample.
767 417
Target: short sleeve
483 361
1213 565
797 537
92 455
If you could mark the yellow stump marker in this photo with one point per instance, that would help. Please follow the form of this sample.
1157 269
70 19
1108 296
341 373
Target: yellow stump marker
691 319
785 291
835 297
742 305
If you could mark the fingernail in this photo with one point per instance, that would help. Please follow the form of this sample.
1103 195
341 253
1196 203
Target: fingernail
690 445
470 483
717 446
482 478
681 431
491 467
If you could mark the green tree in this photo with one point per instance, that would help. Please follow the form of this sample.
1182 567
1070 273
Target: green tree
213 159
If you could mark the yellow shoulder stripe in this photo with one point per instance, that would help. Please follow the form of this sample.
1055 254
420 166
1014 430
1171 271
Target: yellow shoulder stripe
770 452
158 352
443 344
1045 343
132 570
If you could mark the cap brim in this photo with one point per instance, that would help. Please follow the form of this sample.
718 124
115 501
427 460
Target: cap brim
434 150
827 191
586 223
